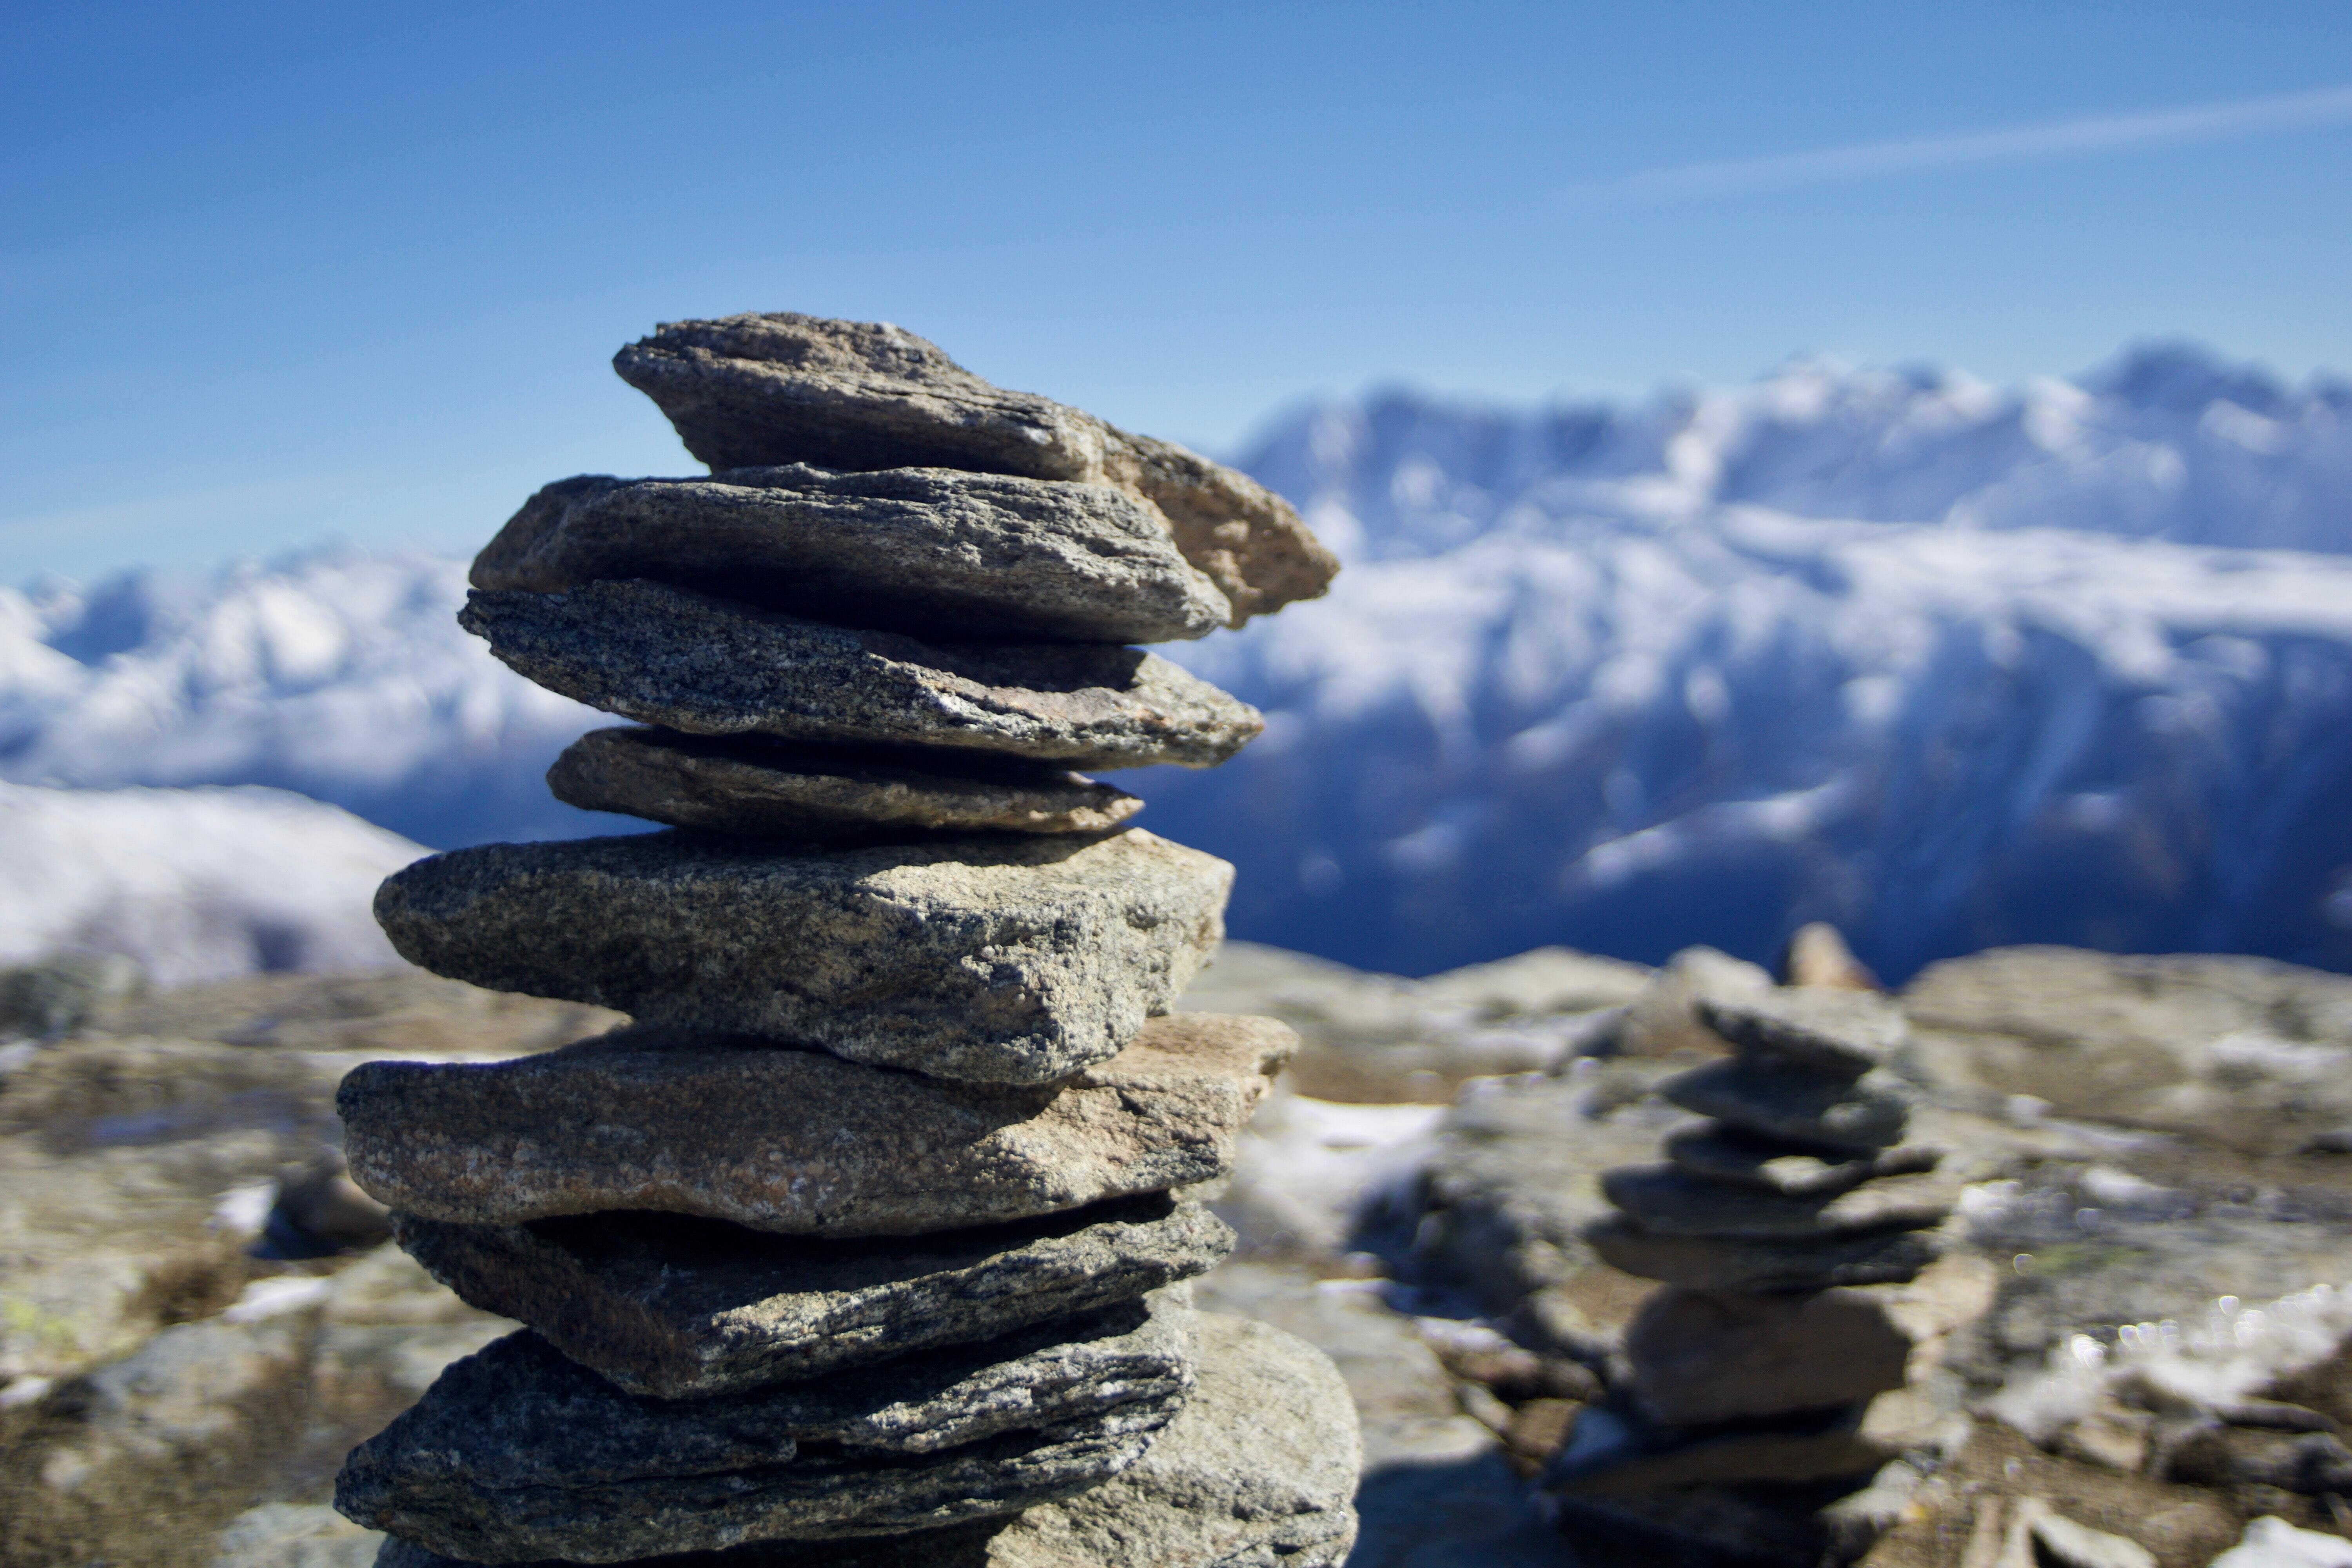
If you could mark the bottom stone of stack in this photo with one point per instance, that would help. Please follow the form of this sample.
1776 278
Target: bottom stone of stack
1257 1471
518 1453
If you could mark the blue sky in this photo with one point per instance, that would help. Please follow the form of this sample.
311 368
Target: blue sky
272 275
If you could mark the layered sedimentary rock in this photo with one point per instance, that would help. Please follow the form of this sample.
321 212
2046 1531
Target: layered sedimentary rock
866 1241
762 389
663 1305
518 1450
708 666
1257 1471
767 789
998 960
808 1144
922 549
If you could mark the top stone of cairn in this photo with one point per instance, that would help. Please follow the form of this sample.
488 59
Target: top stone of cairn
766 389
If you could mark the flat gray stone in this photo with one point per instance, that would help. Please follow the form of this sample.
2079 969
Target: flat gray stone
1829 1029
1699 1358
707 666
1257 1470
996 960
756 787
1816 1111
754 389
1731 1265
1722 1153
679 1308
928 551
518 1453
795 1142
1666 1200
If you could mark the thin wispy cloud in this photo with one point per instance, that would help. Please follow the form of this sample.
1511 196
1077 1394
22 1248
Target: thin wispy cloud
2045 143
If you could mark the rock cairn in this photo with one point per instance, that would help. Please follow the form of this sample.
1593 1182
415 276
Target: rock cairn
1794 1230
867 1240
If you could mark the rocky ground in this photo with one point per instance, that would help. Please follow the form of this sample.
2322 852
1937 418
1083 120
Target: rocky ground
198 1316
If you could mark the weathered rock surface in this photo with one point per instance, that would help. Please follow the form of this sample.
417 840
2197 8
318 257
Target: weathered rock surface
1669 1201
922 549
2246 1053
760 389
987 960
1700 1359
799 1141
712 667
1256 1471
762 788
1724 1155
518 1453
1824 1110
1830 1028
1728 1264
678 1308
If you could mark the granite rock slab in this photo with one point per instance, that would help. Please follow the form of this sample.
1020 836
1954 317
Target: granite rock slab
921 550
987 960
759 788
1667 1200
1257 1470
799 1142
1826 1028
1722 1153
518 1453
1816 1111
757 390
708 666
1731 1265
677 1307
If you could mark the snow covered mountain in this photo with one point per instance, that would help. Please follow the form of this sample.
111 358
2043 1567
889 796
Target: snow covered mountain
340 675
1633 678
196 884
1947 665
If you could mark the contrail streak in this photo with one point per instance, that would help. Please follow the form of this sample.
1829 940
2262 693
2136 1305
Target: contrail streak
1973 149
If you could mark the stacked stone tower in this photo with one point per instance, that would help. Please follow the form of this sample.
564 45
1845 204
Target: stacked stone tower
1792 1226
867 1241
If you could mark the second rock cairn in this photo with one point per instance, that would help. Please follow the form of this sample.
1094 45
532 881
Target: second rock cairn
867 1240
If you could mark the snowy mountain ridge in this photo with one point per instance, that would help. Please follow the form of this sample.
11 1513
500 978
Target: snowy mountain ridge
2168 442
1948 665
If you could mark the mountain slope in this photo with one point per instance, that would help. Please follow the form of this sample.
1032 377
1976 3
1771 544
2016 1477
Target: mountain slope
196 884
1949 666
341 675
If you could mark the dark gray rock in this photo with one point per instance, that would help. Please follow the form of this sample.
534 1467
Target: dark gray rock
1816 1111
1827 1029
758 389
996 960
1730 1265
761 788
1698 1359
1666 1200
518 1453
679 1308
922 549
1257 1470
712 667
1724 1155
798 1141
